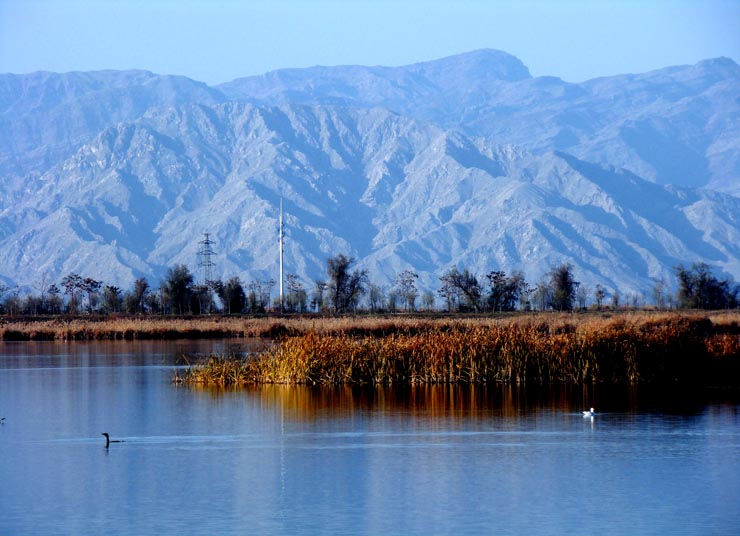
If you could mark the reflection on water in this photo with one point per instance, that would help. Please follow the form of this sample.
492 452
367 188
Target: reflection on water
466 401
56 354
279 459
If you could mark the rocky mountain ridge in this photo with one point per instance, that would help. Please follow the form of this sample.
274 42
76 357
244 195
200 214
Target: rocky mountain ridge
116 175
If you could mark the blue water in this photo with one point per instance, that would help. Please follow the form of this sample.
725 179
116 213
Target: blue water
297 460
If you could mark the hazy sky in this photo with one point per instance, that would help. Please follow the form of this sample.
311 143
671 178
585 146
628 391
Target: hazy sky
219 40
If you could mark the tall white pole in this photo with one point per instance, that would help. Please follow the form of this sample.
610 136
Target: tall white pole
281 254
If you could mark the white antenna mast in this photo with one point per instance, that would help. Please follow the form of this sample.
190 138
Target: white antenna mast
281 254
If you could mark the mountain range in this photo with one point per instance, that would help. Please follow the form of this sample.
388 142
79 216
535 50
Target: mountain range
466 161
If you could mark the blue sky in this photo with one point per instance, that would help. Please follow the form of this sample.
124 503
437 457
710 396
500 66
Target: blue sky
219 40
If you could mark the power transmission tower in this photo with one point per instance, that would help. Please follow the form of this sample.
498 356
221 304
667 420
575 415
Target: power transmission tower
205 252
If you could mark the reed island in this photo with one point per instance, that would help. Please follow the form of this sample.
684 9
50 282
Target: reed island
702 350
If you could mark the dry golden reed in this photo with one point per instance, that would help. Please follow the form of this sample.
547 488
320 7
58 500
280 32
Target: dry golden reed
622 349
163 327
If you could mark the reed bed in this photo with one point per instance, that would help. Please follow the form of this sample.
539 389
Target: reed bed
620 349
163 327
126 328
75 329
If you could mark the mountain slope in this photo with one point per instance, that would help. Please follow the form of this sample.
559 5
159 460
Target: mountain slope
45 117
391 191
678 125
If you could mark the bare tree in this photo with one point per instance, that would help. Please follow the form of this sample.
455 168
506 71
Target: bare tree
582 296
318 296
659 294
345 287
541 295
427 300
297 297
55 301
406 288
460 289
376 297
599 295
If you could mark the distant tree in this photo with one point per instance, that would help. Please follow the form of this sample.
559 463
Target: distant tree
427 300
135 300
525 298
201 298
318 296
345 286
393 301
563 287
73 285
138 294
254 297
12 304
497 295
297 298
461 290
154 302
234 296
91 287
616 299
700 289
43 287
599 295
376 297
3 289
542 295
258 295
55 301
32 305
504 291
178 285
405 283
660 294
635 300
582 293
111 298
266 286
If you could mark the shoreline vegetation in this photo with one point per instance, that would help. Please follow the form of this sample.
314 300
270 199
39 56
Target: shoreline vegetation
695 348
628 349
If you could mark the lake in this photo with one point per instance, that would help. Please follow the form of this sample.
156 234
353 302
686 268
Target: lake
301 460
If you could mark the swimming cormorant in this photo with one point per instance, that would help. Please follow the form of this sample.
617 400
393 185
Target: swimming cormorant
108 440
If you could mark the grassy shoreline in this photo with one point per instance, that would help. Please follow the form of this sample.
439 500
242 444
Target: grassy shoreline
575 349
700 348
64 328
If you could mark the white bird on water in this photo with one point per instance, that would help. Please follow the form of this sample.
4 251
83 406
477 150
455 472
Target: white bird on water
589 413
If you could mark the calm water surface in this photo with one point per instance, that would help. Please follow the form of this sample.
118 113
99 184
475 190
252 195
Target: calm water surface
294 460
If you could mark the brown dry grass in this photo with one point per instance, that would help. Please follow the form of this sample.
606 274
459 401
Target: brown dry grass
162 327
628 348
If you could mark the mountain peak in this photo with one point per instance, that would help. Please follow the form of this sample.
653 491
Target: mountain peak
722 67
722 62
487 64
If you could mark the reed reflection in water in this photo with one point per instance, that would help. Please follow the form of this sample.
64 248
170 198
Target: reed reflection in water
453 400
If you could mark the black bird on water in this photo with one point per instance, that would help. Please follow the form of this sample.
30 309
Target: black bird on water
108 440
